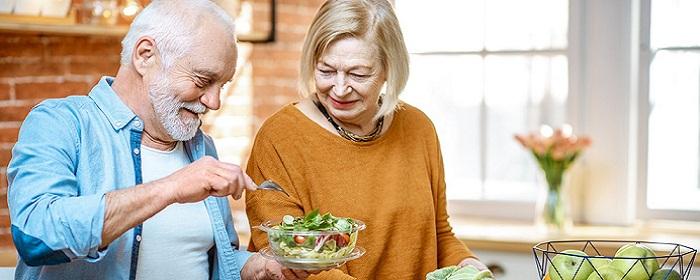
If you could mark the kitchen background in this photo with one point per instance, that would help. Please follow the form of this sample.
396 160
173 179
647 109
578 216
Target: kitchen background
625 73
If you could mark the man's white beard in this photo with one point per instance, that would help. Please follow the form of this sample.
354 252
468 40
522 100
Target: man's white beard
167 110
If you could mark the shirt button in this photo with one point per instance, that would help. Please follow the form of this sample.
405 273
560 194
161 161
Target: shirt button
137 124
138 238
136 151
118 123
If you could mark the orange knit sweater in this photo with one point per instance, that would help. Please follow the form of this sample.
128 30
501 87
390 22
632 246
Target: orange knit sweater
395 184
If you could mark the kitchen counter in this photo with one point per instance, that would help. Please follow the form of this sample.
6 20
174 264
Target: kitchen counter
520 237
8 257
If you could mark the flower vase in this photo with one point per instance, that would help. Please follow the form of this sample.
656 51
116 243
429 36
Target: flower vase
553 209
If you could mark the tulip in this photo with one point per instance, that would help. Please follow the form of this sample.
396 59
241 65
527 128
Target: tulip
554 149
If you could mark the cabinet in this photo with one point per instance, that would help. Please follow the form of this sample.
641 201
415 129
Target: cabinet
516 266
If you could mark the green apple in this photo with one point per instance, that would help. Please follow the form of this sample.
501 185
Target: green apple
608 273
666 274
635 269
599 263
569 267
624 247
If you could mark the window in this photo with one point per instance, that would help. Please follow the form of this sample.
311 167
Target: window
672 113
483 70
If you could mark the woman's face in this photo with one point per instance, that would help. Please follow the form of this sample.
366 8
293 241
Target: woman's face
349 77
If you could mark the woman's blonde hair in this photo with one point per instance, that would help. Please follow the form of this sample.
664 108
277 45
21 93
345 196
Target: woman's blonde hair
370 20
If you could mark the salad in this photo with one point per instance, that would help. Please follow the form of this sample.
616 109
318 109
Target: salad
314 236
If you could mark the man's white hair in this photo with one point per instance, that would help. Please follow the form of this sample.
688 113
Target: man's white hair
173 24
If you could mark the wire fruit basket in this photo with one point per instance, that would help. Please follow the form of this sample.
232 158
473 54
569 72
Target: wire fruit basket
598 260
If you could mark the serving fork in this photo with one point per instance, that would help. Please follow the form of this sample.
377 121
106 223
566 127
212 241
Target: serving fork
271 185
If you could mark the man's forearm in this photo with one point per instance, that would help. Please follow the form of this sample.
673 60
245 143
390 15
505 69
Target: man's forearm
124 209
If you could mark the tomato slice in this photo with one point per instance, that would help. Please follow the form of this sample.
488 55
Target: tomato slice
342 239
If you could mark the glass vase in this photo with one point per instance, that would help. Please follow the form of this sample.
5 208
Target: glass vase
553 215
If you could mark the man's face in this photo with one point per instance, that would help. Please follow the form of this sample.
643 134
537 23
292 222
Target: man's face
180 119
191 85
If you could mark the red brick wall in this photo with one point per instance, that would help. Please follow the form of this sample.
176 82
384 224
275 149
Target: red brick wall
35 67
276 66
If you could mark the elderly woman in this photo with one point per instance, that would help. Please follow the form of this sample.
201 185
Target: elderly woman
354 150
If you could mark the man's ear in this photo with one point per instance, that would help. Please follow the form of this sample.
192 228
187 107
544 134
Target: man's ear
144 55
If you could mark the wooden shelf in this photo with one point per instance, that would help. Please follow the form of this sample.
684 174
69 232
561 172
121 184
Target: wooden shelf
68 27
90 30
56 26
63 29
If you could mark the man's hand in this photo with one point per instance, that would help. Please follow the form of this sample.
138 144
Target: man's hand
259 268
206 177
472 261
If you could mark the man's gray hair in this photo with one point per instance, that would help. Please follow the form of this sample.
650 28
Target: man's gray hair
172 24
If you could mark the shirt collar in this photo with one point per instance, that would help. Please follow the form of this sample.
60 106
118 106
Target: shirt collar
118 114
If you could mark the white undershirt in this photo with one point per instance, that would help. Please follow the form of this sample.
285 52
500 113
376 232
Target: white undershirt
174 242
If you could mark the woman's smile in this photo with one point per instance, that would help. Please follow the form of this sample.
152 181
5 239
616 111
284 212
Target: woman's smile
342 105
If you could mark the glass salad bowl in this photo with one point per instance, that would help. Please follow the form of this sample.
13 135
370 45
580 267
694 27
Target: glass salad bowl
312 242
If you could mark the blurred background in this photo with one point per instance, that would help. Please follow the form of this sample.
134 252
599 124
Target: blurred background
625 73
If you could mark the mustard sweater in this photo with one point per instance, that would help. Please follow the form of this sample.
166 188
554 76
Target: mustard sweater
395 184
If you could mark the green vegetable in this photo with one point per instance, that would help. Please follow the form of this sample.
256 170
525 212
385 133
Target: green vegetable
316 222
442 273
467 272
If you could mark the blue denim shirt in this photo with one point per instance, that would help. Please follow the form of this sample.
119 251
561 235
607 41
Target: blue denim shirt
70 152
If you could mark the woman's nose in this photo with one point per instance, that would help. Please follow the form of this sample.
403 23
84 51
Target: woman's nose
340 88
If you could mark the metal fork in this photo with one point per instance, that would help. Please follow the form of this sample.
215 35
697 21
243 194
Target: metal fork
271 185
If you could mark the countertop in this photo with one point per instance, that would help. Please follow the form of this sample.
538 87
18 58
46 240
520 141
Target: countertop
520 237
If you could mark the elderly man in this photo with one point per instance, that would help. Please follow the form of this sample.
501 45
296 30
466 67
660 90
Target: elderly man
122 184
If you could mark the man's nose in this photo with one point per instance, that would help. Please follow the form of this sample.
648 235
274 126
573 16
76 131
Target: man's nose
211 99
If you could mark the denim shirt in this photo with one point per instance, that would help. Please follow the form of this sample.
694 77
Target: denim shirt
72 151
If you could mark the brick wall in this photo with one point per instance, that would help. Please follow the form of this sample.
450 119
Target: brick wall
35 67
276 65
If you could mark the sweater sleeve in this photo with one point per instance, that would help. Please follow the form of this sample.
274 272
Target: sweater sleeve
451 251
266 163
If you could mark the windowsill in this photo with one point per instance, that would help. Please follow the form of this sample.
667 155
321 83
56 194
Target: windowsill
521 236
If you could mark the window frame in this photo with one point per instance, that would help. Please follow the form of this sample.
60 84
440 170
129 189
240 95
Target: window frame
645 57
609 56
520 210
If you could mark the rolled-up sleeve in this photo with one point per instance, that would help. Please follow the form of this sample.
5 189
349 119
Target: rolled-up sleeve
52 222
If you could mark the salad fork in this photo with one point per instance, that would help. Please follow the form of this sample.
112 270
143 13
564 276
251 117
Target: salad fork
271 185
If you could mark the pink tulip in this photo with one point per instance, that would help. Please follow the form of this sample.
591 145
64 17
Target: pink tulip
560 147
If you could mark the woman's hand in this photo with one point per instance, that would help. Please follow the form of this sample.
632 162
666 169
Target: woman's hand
472 261
259 268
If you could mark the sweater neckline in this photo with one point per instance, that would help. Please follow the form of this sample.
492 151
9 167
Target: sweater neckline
318 129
